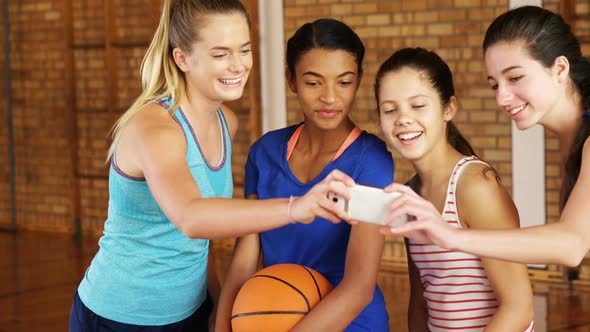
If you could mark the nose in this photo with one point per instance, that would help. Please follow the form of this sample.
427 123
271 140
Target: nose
236 64
403 118
328 95
503 96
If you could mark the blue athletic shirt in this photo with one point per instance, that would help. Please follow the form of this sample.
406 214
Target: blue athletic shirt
320 245
146 271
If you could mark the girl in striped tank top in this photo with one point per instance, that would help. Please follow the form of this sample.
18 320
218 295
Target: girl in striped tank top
450 291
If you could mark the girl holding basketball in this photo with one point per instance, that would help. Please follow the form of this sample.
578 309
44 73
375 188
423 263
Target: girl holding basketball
170 179
536 67
324 70
450 290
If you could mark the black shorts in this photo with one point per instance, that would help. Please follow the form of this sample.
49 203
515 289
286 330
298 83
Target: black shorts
83 319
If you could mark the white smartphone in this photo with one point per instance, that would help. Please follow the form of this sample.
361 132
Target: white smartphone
368 204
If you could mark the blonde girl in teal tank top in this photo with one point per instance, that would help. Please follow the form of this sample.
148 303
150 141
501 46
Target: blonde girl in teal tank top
170 179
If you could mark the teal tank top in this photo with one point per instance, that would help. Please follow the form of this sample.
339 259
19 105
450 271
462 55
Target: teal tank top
146 272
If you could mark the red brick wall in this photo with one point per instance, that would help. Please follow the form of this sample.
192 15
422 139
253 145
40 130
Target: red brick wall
42 151
5 209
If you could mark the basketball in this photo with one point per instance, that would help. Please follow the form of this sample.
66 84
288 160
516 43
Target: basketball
276 298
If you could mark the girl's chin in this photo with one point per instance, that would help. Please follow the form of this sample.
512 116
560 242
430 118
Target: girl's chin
521 125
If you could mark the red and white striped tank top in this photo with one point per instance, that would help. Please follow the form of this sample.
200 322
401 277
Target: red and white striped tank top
458 293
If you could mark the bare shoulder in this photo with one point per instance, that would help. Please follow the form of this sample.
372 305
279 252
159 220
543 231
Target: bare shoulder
478 178
153 121
149 134
231 118
483 201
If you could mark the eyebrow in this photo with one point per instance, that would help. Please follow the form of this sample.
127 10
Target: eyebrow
411 97
312 73
224 48
505 71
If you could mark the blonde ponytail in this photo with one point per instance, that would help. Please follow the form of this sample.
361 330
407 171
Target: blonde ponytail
160 77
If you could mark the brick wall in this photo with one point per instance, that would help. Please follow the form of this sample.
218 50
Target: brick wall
5 197
42 154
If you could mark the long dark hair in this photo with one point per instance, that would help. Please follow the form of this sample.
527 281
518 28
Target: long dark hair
324 33
440 76
547 36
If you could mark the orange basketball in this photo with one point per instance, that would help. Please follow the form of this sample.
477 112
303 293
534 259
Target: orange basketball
277 297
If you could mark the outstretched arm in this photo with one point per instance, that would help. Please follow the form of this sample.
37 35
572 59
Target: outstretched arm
159 155
565 242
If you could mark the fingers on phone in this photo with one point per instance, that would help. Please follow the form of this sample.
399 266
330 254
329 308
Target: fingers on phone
339 176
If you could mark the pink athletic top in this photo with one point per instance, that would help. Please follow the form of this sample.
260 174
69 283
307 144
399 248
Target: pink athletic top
354 134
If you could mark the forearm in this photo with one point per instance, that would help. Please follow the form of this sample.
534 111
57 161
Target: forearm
547 244
244 264
224 308
217 218
337 310
230 289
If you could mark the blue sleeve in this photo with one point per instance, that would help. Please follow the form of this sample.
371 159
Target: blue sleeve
251 173
377 166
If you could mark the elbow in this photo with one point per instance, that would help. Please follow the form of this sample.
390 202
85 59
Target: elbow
185 227
365 295
361 292
366 298
576 253
519 315
363 300
528 314
186 230
572 260
521 311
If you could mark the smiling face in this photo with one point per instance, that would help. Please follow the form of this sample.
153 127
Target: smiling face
325 82
412 117
525 90
218 65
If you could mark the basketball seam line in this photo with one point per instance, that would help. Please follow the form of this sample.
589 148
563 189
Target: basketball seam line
317 287
254 313
288 284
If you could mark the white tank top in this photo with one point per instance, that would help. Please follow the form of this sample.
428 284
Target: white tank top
457 291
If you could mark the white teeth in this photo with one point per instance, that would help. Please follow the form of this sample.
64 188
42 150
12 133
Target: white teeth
517 109
408 136
231 81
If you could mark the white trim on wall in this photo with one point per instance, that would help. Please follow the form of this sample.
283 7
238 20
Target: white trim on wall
272 65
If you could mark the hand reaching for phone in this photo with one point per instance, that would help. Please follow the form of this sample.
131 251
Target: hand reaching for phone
427 227
315 203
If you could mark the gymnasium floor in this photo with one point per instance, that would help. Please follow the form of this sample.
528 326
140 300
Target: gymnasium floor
39 273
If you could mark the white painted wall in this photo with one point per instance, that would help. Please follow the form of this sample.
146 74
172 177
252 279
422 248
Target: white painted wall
272 65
